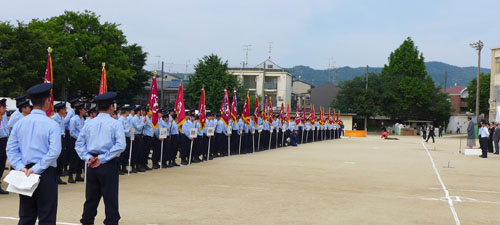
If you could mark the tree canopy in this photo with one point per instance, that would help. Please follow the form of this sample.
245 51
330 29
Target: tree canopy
210 72
402 91
484 90
81 43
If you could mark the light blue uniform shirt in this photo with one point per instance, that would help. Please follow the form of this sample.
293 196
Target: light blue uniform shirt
16 116
200 131
138 124
102 136
290 125
186 127
126 126
265 125
75 126
69 114
241 126
148 127
60 121
34 139
4 129
174 128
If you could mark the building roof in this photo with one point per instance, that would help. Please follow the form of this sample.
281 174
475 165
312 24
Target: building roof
455 90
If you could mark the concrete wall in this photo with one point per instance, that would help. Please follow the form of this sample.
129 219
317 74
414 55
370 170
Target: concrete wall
455 121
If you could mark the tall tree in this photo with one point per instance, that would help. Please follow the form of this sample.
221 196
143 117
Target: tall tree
81 43
355 98
211 72
484 94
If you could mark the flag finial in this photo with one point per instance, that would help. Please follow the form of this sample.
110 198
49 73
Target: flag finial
103 64
49 49
155 73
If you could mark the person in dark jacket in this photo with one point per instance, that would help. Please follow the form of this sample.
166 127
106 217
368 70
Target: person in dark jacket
496 137
431 134
491 129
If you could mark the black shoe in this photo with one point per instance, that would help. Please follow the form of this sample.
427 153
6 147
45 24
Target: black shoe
195 160
496 153
3 192
70 179
184 163
79 178
155 166
134 170
175 164
146 167
120 172
141 169
59 181
165 166
482 156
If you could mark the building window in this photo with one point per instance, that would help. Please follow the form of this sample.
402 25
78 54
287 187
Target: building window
497 64
271 83
273 99
269 66
249 82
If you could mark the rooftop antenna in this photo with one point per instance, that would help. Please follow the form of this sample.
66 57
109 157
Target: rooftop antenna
270 49
246 48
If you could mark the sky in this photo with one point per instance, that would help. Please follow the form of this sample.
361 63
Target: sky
315 33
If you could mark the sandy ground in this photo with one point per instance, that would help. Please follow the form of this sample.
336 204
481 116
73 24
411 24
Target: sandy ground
348 181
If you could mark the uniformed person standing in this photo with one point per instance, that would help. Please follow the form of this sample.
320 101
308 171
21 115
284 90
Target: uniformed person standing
173 148
99 144
186 140
62 160
4 134
33 148
21 102
75 126
126 130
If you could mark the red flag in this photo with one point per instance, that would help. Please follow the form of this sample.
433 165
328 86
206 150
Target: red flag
297 115
180 108
103 87
264 109
49 78
224 109
329 116
246 111
270 116
152 102
282 112
287 113
312 116
202 110
304 115
234 108
256 112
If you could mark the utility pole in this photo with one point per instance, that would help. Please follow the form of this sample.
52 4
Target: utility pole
445 79
161 95
247 48
270 49
478 46
366 94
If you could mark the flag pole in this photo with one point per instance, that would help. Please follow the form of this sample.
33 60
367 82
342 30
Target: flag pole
258 142
208 155
190 152
229 145
130 158
239 146
161 155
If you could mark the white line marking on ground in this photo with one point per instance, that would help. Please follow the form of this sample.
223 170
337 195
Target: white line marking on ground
13 218
447 194
477 191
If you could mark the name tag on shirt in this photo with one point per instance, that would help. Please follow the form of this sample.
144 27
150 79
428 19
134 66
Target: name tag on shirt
193 133
210 131
163 133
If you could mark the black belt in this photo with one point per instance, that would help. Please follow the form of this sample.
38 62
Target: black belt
29 165
4 138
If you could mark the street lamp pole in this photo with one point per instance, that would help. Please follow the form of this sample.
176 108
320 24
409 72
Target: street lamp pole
478 46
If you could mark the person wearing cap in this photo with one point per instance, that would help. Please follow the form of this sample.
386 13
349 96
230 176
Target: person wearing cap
221 133
127 126
62 160
4 134
99 144
186 140
17 115
33 148
70 112
148 133
76 124
138 144
174 141
156 142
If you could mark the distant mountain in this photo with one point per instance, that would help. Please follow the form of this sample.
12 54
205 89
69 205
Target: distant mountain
458 75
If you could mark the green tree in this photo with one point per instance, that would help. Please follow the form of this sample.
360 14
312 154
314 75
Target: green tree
81 43
353 97
484 89
211 73
408 91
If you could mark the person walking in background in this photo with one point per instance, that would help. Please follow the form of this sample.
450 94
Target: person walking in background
424 132
440 131
431 134
471 136
491 130
496 137
483 139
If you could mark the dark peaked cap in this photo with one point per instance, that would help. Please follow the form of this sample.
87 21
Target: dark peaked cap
106 98
40 89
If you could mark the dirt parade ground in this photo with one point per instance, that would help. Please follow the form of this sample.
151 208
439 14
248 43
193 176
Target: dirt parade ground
348 181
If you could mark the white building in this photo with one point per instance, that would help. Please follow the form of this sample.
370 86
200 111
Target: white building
494 84
266 79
